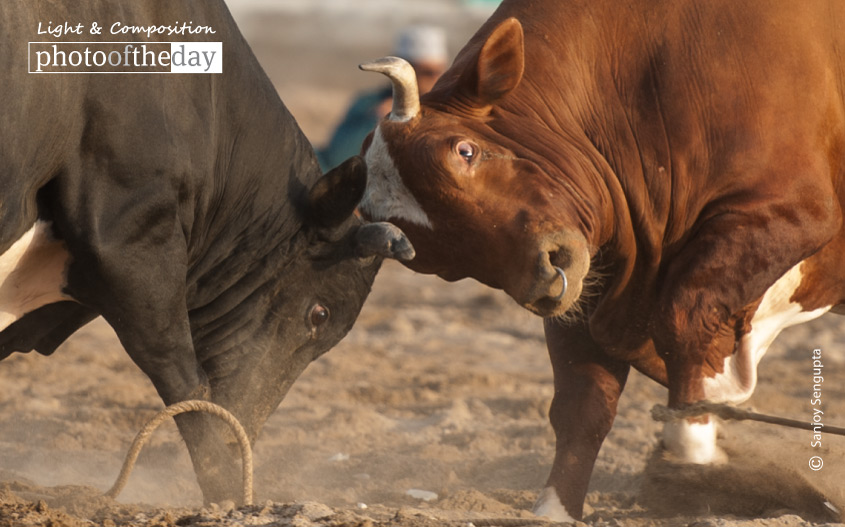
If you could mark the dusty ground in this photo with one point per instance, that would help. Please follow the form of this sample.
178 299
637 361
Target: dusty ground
440 389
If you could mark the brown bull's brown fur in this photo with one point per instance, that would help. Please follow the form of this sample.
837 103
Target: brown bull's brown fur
691 150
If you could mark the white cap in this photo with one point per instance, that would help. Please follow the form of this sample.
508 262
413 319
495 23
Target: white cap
422 44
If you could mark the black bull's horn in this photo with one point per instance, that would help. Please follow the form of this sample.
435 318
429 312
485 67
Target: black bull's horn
383 239
406 93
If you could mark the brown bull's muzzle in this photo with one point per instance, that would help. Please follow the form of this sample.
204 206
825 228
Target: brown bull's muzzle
406 93
555 283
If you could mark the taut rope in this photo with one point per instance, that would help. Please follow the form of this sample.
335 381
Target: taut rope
725 411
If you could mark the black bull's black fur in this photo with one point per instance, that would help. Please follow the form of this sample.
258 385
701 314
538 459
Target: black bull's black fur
190 208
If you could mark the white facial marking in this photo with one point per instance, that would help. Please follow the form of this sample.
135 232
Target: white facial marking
692 442
549 505
776 312
32 274
386 196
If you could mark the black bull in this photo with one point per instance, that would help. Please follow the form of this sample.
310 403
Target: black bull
187 210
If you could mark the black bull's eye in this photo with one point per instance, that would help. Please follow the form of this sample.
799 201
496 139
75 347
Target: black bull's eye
319 315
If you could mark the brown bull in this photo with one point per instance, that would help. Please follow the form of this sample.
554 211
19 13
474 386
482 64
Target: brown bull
661 180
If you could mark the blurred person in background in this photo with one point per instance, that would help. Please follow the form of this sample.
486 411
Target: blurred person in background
424 46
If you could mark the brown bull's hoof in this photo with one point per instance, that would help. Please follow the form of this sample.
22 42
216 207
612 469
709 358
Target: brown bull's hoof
750 485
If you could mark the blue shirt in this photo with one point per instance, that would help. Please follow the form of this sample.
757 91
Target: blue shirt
360 120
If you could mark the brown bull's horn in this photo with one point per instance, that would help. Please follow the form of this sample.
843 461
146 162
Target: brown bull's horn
565 284
406 94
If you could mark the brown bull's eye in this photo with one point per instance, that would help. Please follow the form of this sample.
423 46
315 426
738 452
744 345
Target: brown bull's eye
466 150
319 315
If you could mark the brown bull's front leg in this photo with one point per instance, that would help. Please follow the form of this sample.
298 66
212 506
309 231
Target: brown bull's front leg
726 266
587 389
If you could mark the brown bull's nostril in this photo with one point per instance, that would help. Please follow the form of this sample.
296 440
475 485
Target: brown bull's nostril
564 284
561 258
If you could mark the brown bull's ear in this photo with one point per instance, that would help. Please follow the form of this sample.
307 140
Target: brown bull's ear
335 195
501 62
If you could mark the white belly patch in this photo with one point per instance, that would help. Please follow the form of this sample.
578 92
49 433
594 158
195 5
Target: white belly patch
32 273
775 313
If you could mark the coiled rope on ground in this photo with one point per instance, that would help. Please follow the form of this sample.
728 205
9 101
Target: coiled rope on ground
539 521
179 408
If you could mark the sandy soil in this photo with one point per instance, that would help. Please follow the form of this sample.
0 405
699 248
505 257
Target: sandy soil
432 410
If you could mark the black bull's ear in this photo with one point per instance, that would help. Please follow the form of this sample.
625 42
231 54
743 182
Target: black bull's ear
333 199
335 195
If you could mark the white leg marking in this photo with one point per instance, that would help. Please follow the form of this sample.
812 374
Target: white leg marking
775 313
549 505
692 442
695 442
386 196
32 274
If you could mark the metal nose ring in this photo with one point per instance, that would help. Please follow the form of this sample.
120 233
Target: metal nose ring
565 284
